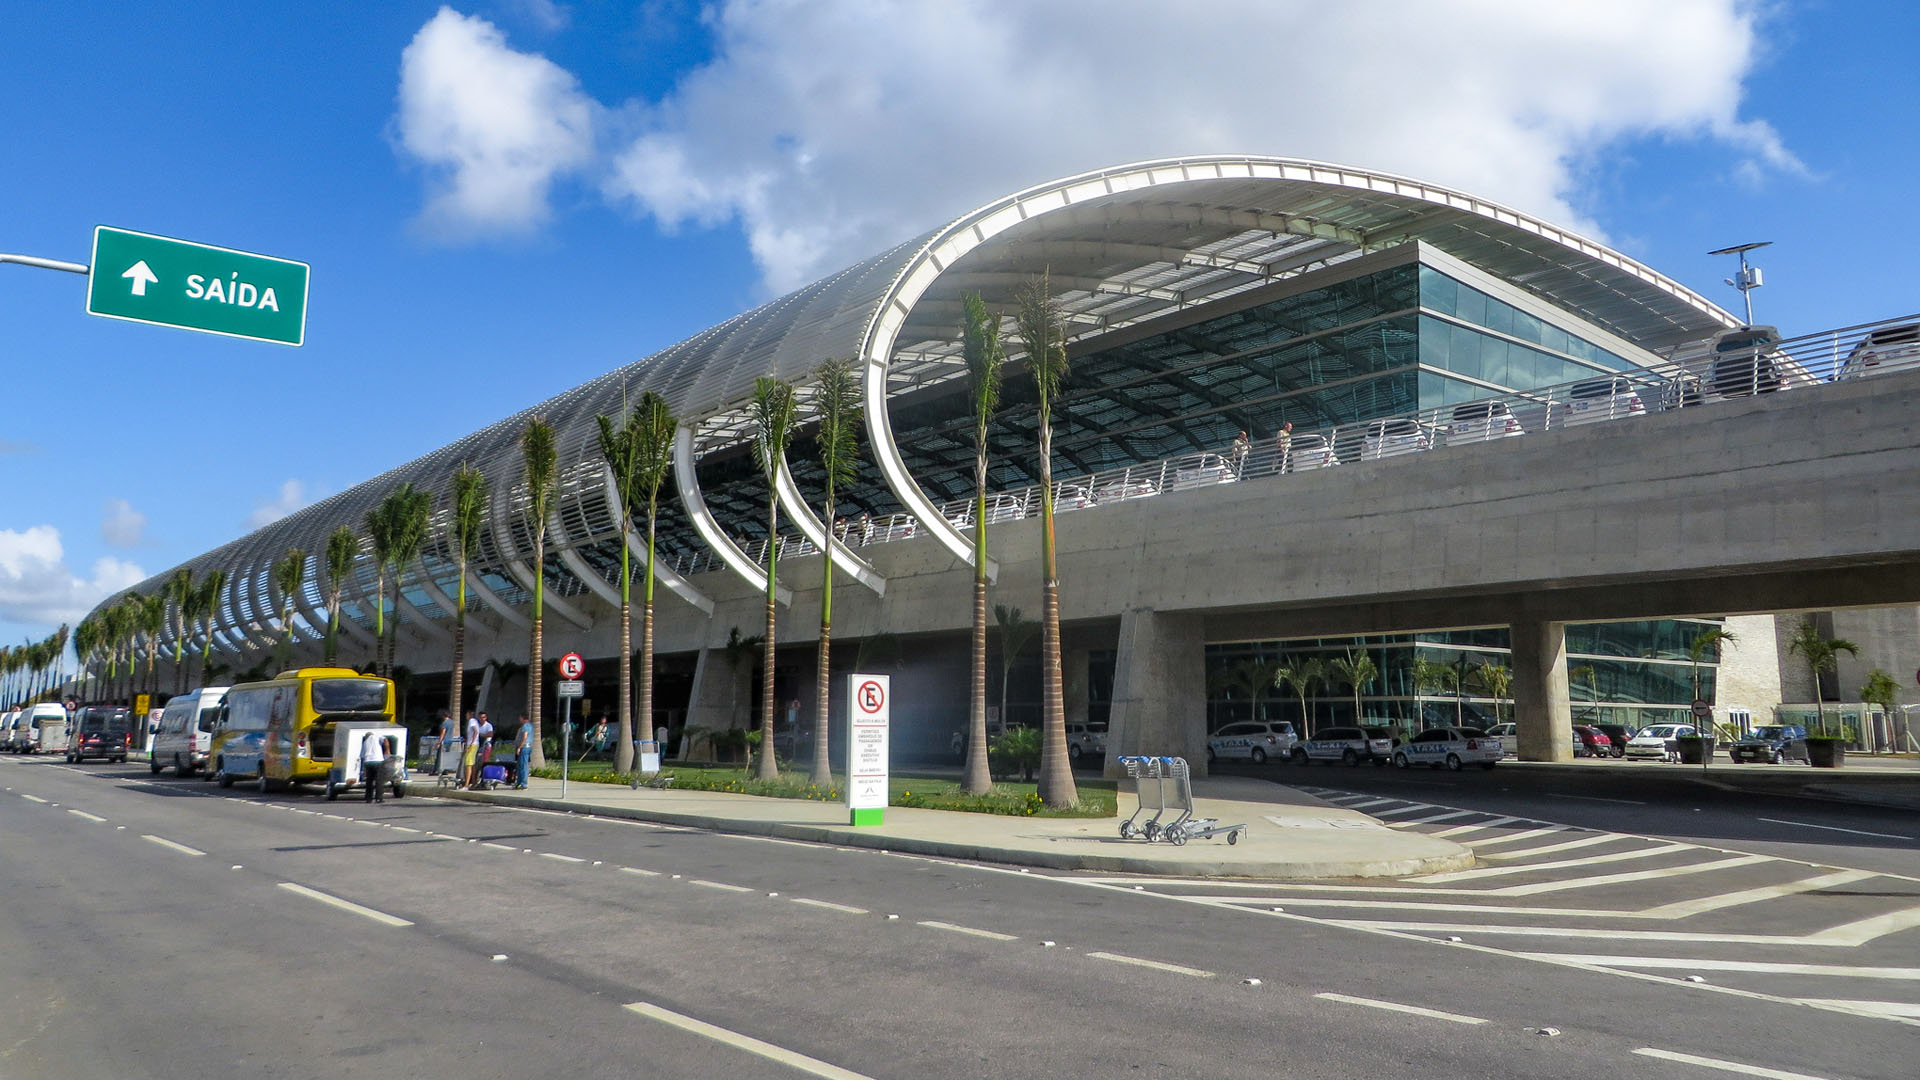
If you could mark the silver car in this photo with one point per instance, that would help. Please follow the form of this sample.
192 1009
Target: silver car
1254 740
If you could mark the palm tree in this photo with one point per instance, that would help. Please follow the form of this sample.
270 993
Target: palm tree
1356 672
1706 642
343 549
415 519
289 575
1881 690
469 514
86 643
540 463
1015 632
383 526
772 412
1585 674
1821 654
1252 677
153 623
180 592
122 622
1433 675
838 398
653 431
210 588
986 357
1497 681
618 447
1300 677
1043 333
738 650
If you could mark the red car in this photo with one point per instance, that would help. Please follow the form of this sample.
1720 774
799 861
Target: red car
1591 741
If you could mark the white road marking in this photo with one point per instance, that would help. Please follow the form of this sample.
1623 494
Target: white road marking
1836 828
1751 966
1864 930
1409 808
166 843
35 798
1528 835
844 908
498 847
403 828
1884 1008
1363 800
84 814
1638 875
1427 820
790 1058
560 858
345 905
719 885
1596 798
637 870
1394 1006
1819 939
1461 830
1157 965
990 935
1549 849
1723 1066
1563 864
1684 908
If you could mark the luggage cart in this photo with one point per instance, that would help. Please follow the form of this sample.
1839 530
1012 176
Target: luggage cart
446 767
1187 827
1149 777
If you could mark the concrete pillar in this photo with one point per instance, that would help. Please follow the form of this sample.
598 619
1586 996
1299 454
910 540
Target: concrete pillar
1159 689
1074 677
1540 705
720 695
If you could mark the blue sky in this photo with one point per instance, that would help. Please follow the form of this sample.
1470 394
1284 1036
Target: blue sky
502 200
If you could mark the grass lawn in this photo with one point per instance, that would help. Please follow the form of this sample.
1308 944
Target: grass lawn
1098 798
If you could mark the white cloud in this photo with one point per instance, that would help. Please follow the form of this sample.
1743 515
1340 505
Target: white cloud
548 16
121 525
36 586
830 130
293 496
493 127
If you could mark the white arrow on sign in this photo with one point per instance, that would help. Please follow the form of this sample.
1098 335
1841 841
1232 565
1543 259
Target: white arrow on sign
142 276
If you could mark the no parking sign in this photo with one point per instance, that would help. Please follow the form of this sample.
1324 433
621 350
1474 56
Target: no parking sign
869 712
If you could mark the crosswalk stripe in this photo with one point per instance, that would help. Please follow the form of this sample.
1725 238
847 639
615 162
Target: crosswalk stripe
1429 820
1885 1008
1357 803
1617 879
1864 930
1724 1066
1608 934
1681 909
1459 830
1585 841
1563 864
1668 963
1530 834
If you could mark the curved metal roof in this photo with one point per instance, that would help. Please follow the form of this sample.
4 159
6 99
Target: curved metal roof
1123 245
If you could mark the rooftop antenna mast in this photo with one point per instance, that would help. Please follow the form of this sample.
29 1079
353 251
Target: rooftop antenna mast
1749 278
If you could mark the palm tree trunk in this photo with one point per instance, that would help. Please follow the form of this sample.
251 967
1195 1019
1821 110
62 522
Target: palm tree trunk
644 714
623 754
1056 786
536 673
765 768
823 677
978 778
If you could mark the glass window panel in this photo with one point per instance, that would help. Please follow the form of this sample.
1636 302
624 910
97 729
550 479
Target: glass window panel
1500 317
1493 361
1464 348
1435 342
1472 306
1438 291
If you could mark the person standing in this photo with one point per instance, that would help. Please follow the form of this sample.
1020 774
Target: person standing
470 752
1284 441
486 741
1242 446
373 760
522 752
449 734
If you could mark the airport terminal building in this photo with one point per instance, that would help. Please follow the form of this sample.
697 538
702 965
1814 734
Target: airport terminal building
1209 300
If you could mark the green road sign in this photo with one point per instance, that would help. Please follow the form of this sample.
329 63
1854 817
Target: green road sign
155 279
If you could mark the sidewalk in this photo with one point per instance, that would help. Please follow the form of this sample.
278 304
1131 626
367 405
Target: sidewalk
1288 834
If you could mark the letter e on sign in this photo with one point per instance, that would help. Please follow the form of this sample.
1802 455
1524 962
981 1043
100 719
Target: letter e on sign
572 666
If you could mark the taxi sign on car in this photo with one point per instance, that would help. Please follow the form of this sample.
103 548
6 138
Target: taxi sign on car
1255 740
1450 747
1348 745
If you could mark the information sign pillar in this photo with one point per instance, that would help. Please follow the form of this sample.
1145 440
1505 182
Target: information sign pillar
870 708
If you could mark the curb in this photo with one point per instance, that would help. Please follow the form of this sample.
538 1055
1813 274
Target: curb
847 837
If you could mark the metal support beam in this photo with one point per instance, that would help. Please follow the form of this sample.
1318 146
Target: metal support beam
703 522
637 547
449 604
522 573
810 527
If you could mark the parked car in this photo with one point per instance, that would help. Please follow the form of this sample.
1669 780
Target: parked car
1390 438
1658 741
1894 348
1617 734
1203 470
41 728
1482 421
1744 362
100 731
1122 490
6 728
1773 743
1594 400
1310 451
1255 740
1086 740
1591 741
1509 736
1451 747
1347 745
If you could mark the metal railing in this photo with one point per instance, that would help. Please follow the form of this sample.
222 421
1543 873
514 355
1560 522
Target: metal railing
1690 380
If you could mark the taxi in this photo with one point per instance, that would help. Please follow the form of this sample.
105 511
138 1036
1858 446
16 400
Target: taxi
1348 745
1255 740
1452 747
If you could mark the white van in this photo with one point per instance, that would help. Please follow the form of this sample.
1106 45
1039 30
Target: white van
186 731
45 727
6 730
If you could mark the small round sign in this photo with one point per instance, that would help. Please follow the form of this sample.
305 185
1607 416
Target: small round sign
871 698
1702 710
572 666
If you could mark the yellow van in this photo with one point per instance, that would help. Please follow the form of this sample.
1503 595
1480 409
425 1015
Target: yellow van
280 732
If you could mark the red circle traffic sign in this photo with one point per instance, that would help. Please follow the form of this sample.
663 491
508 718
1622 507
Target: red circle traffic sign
572 666
871 698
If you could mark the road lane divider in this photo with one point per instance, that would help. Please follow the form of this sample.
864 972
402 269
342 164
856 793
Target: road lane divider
35 798
1157 965
1395 1006
828 905
793 1059
721 885
84 814
1836 828
1723 1065
170 845
990 935
345 905
557 857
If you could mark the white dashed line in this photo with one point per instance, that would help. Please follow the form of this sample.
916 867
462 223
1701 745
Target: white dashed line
1723 1066
790 1058
166 843
637 870
345 905
403 828
560 858
1154 964
1756 967
35 798
1394 1006
844 908
1596 798
84 814
719 885
1836 828
990 935
497 847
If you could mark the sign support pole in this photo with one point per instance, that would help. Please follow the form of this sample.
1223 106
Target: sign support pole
566 745
44 264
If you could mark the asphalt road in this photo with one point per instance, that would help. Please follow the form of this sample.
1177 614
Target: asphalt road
162 927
